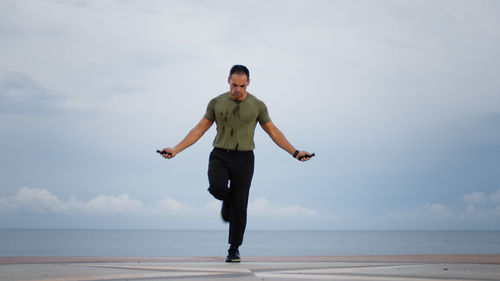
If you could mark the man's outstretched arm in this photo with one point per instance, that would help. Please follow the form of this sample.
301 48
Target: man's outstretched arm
280 139
193 136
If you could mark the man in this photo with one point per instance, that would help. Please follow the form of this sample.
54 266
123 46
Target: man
232 160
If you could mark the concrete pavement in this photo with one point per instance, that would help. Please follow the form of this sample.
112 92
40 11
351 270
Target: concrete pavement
366 268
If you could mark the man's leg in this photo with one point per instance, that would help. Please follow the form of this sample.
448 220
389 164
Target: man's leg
218 175
242 173
238 168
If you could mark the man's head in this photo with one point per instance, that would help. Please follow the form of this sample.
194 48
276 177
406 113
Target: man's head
239 78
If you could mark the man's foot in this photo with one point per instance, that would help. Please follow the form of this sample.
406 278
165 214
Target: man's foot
233 256
225 211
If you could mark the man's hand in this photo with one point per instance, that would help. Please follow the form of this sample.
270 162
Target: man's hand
304 156
193 136
167 152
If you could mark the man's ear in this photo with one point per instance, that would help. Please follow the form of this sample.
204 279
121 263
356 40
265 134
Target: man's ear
229 79
248 81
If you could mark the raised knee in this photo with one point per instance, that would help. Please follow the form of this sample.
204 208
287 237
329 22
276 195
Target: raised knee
219 193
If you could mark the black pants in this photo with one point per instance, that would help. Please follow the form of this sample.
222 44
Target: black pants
235 167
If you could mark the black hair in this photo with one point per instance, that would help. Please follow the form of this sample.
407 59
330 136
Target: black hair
239 69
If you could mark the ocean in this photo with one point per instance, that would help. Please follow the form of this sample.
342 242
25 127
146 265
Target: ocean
183 243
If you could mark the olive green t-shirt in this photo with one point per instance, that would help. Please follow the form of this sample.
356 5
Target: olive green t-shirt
236 121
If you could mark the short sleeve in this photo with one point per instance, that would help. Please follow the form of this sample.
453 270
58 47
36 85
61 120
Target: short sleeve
263 117
210 113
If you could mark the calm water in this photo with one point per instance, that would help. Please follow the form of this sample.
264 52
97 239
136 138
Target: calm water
177 243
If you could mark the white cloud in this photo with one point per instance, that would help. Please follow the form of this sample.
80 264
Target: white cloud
32 200
436 211
495 197
41 201
475 197
170 205
488 214
442 212
106 204
262 206
265 214
433 211
481 197
427 211
212 206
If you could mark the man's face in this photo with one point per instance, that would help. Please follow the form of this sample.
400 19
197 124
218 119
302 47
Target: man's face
238 86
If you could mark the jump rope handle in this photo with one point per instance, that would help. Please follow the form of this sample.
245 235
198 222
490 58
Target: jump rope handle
310 156
161 152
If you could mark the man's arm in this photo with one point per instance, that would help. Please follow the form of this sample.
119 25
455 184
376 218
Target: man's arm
280 139
193 136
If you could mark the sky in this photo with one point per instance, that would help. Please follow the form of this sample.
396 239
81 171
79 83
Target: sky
400 101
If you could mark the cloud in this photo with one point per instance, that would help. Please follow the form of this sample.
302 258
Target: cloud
20 93
481 209
263 207
488 208
490 214
481 197
42 201
265 214
475 197
170 205
106 204
32 200
427 211
436 211
495 197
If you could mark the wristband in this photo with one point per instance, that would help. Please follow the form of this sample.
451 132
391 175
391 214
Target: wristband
295 153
